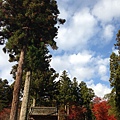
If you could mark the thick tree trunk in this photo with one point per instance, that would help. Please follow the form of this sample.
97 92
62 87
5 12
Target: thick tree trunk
25 101
17 86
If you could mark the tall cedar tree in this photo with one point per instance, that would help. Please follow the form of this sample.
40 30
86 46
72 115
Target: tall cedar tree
76 96
43 87
65 91
87 95
115 75
43 76
26 23
37 61
111 101
68 94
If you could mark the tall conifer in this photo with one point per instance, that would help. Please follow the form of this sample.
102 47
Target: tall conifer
115 75
25 23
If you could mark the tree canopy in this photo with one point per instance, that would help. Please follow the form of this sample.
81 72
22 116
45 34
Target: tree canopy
5 94
26 24
115 75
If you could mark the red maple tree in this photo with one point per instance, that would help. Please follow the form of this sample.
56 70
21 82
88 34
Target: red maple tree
100 110
76 113
4 114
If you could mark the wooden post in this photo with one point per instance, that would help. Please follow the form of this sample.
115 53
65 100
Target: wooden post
67 109
34 101
24 106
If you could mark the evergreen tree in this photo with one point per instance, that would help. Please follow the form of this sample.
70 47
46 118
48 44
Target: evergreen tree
66 94
115 81
43 76
111 101
115 75
76 97
26 23
5 94
87 95
43 87
65 91
37 62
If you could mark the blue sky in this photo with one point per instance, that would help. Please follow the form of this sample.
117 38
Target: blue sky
85 42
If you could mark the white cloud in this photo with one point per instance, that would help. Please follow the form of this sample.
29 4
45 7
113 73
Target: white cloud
99 89
5 66
65 13
103 68
115 51
80 58
83 66
108 33
85 22
81 28
107 10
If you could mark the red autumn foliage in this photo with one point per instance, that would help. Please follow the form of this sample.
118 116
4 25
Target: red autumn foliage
77 113
4 114
97 100
100 110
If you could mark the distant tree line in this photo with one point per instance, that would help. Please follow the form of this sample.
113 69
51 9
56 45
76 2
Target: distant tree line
47 91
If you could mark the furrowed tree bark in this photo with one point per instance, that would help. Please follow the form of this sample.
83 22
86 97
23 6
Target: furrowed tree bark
25 101
17 86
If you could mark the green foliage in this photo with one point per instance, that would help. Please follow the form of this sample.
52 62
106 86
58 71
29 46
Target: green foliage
26 22
68 90
113 67
87 95
117 45
65 88
5 94
115 75
43 89
28 26
73 94
76 97
37 58
111 101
